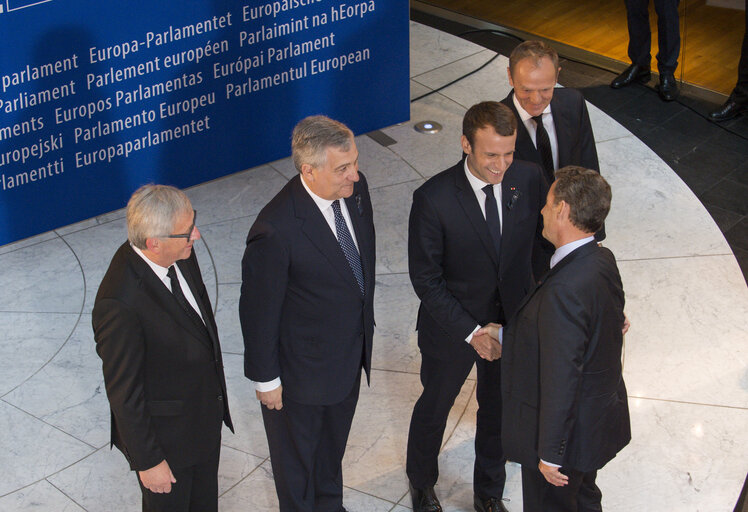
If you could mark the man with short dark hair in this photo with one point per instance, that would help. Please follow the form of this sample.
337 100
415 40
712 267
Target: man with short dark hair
565 406
158 342
307 313
470 239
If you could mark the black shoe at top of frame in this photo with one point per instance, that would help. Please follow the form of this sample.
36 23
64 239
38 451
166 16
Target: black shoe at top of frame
424 500
632 74
489 505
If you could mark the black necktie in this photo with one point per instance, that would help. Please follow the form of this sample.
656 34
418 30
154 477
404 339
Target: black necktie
346 243
176 290
492 219
543 143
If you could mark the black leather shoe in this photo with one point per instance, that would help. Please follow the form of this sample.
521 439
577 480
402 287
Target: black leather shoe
489 505
633 73
727 111
668 87
424 500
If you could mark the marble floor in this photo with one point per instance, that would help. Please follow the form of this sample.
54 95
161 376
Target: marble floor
686 361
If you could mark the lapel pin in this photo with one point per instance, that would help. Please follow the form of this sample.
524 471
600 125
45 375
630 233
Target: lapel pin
513 198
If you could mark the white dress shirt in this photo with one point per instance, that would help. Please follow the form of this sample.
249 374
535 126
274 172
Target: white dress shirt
325 207
477 185
550 128
566 249
161 273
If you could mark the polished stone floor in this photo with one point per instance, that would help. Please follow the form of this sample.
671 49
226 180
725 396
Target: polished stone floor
686 361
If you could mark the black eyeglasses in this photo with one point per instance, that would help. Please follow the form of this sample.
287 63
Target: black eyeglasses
188 234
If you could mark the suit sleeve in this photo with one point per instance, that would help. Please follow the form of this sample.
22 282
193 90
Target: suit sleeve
562 336
265 268
425 263
121 345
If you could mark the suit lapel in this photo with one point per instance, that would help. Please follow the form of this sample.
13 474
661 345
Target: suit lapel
356 211
561 124
508 189
204 308
469 203
164 297
316 228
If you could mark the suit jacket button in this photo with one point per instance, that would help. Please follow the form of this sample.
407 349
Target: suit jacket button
220 398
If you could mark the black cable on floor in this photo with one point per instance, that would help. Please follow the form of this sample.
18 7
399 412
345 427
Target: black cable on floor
489 61
512 36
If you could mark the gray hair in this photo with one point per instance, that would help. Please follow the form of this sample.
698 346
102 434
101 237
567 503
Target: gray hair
152 212
313 135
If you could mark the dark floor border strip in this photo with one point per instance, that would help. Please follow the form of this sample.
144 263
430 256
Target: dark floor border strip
568 51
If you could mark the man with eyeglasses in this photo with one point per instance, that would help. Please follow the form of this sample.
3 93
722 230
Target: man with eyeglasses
157 338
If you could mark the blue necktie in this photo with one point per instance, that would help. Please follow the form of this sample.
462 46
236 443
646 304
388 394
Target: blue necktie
346 243
492 219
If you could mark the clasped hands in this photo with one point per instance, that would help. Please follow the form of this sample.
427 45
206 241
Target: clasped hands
485 341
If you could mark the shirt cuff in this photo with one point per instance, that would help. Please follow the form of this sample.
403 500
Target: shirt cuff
551 464
470 336
270 385
501 335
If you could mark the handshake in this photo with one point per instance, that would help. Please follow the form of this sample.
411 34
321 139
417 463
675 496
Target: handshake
486 342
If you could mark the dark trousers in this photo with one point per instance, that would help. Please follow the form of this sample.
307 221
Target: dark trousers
442 381
640 35
307 443
196 489
581 494
740 93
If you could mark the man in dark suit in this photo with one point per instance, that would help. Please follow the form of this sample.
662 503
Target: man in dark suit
554 125
307 314
470 240
565 405
158 342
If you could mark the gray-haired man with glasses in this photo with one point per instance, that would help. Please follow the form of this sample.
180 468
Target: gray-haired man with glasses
158 342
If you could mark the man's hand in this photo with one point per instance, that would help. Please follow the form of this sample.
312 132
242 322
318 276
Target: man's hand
272 399
491 329
626 324
488 348
159 478
553 475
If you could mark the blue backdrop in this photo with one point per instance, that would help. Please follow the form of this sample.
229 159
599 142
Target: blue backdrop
99 97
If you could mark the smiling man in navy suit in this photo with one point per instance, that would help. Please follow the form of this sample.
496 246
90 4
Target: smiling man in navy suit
307 313
472 232
554 128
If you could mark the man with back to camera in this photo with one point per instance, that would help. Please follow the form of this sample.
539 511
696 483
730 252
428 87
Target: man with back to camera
471 234
307 314
565 406
158 342
554 124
